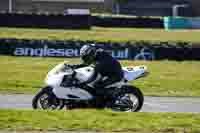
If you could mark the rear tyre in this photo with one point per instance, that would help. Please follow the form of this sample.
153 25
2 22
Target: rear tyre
46 100
130 99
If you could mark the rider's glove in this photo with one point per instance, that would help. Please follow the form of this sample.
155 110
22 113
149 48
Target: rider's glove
69 66
75 66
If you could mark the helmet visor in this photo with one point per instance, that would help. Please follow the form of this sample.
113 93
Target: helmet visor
87 59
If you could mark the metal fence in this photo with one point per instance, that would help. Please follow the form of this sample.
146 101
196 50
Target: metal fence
136 7
51 6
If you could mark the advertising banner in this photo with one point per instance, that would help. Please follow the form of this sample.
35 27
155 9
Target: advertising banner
69 49
43 48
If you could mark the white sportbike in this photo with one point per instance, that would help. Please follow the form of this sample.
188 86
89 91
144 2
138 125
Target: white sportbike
68 88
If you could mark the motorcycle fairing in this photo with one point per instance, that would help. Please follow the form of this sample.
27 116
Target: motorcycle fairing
134 72
55 80
84 74
72 93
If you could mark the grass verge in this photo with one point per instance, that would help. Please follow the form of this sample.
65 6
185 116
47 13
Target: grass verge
166 78
103 120
103 34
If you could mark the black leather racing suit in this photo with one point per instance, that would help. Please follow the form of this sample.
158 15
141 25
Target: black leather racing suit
106 66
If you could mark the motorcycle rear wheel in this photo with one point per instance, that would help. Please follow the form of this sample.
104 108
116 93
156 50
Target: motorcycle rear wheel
46 100
130 99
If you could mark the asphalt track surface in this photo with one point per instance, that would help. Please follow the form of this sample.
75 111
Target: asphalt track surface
151 104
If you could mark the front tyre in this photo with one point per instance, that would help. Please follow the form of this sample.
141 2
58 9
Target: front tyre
129 99
46 100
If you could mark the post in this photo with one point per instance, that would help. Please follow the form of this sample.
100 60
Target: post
117 8
10 6
175 9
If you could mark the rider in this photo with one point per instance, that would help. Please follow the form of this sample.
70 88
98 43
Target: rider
107 69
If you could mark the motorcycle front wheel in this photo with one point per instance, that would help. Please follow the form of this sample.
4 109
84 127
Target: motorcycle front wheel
130 99
46 100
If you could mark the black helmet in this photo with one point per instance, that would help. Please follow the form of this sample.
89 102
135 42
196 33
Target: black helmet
87 53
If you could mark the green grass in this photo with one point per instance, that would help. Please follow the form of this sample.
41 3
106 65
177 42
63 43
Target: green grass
166 78
103 120
103 34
